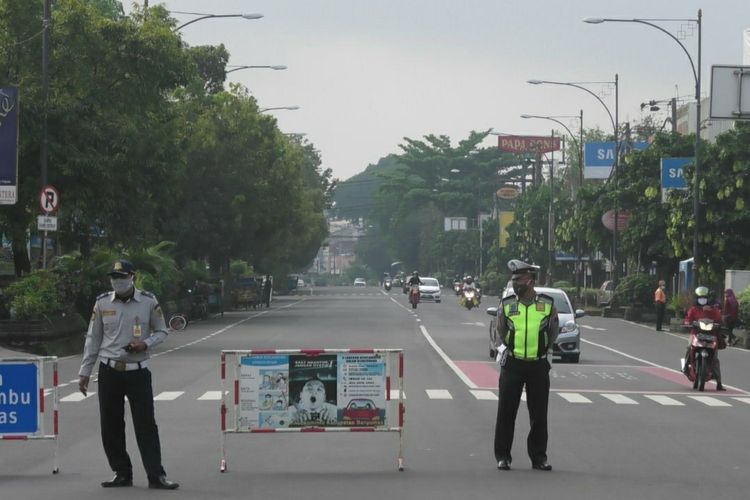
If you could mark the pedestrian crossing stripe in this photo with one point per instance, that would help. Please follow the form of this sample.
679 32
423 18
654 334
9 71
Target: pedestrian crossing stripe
709 401
620 399
485 395
438 394
75 397
211 396
574 397
664 400
168 395
743 400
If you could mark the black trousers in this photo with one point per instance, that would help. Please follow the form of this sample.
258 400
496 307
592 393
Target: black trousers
513 376
660 314
136 385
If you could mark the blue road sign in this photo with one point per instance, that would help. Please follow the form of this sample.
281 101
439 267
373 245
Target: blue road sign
599 157
19 398
672 172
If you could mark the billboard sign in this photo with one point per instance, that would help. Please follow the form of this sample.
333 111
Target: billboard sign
8 145
599 158
528 143
673 172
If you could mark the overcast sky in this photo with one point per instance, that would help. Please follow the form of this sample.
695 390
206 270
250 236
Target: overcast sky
367 73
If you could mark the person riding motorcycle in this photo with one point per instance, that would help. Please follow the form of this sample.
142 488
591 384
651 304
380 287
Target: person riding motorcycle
414 280
703 308
469 283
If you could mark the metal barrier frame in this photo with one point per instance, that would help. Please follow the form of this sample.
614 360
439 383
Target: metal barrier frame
237 354
40 362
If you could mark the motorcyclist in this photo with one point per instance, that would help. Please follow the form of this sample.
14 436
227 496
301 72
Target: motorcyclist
469 283
414 280
703 308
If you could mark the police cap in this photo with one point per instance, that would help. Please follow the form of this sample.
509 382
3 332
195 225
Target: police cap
121 268
518 267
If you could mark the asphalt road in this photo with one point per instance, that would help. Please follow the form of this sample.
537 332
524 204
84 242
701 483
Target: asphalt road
624 423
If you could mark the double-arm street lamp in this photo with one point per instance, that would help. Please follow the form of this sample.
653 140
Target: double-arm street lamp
203 16
697 77
615 129
579 142
238 67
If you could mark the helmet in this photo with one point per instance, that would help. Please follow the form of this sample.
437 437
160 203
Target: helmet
415 273
469 279
701 291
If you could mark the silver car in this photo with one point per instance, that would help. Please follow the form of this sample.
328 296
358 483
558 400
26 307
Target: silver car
429 290
568 343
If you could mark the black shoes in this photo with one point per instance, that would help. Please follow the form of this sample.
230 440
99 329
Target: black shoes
162 483
541 466
720 388
503 464
119 481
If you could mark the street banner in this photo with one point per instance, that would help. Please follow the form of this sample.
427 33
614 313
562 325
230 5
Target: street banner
506 219
332 390
528 143
599 157
8 145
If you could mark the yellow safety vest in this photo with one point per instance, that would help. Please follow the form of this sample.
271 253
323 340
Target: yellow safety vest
527 337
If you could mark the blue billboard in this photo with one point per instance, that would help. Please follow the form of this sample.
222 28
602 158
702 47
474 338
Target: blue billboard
599 157
19 398
673 172
8 145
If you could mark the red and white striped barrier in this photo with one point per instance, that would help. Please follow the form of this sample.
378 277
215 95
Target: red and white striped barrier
311 390
23 412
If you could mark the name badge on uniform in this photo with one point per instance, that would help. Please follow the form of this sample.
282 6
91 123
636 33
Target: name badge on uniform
109 312
513 311
137 328
540 306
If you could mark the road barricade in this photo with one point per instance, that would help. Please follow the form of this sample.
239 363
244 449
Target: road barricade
23 414
312 390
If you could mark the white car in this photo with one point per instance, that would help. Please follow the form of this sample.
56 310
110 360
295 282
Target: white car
568 344
429 290
360 282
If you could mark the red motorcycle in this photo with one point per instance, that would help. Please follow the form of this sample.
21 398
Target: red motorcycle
414 296
704 342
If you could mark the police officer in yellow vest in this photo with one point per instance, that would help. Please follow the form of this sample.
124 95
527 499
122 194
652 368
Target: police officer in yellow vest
527 325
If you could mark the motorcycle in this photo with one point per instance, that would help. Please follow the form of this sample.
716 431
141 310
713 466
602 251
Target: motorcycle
704 342
414 296
469 298
457 286
387 285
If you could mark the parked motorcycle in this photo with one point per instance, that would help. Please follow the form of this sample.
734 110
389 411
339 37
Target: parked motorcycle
704 342
414 296
387 285
469 298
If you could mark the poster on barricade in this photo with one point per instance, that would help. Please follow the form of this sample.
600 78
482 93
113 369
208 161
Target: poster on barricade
299 390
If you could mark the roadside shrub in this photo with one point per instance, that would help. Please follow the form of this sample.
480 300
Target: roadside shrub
744 301
36 294
636 289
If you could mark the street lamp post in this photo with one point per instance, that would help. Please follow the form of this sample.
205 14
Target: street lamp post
290 108
580 181
275 67
203 16
697 77
615 126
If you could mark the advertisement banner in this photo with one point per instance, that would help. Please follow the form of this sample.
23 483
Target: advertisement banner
8 145
672 172
506 219
528 143
19 398
599 157
297 390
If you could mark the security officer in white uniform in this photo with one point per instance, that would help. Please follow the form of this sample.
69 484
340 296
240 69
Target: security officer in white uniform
125 325
528 325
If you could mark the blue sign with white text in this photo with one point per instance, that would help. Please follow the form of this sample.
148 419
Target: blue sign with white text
19 398
600 157
673 172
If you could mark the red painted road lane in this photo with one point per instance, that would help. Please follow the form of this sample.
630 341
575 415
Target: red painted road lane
484 374
677 378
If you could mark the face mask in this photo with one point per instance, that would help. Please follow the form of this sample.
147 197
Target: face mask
121 286
702 301
520 289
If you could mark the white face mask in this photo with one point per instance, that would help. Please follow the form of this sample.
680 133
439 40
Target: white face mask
121 286
702 301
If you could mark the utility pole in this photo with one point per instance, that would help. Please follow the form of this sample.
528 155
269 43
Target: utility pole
46 22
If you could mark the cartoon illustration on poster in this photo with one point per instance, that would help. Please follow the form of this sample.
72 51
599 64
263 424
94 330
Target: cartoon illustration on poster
264 395
312 390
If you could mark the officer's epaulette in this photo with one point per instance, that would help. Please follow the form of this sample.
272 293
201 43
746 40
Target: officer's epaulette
101 296
540 297
148 294
510 298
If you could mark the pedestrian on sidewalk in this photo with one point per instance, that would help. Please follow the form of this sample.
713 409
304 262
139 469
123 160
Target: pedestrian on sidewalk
729 314
660 303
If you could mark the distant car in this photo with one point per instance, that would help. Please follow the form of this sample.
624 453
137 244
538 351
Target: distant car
605 293
396 281
361 410
300 283
429 290
568 344
360 282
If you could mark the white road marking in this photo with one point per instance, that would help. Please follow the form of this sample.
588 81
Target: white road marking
573 397
743 400
709 401
664 400
168 395
587 327
484 395
394 395
466 380
620 399
438 394
75 397
211 396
